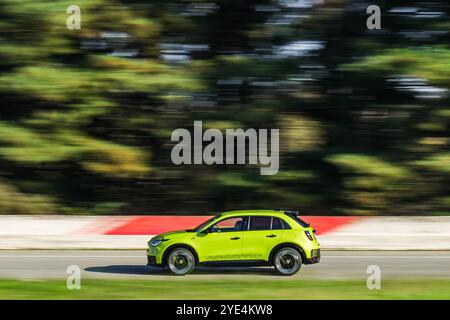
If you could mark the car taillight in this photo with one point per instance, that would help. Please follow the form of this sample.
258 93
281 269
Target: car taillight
308 234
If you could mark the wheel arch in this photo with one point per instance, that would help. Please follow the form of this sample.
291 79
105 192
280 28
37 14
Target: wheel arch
179 245
287 244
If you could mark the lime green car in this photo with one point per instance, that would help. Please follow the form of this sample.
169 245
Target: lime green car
238 238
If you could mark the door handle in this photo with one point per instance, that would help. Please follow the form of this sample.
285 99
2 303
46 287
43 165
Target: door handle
271 236
235 238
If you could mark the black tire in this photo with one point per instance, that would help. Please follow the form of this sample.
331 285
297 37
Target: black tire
287 261
180 261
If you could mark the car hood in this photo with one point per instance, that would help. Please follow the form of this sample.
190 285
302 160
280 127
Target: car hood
174 234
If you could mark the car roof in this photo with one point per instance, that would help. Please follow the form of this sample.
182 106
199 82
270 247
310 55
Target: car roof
275 213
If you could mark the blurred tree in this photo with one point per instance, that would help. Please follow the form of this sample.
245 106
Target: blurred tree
87 114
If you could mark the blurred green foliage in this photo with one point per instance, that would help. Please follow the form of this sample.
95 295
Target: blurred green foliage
214 287
86 115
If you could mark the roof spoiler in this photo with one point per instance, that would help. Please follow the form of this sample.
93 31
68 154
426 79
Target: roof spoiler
289 212
294 214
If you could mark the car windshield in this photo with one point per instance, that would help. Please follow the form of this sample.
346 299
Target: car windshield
203 224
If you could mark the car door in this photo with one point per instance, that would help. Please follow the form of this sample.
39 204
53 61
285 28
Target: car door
264 233
222 241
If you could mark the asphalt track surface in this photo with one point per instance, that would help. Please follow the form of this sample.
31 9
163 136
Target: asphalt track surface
47 264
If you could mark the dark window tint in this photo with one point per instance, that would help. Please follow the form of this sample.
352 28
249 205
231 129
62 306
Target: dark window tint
277 224
260 223
285 225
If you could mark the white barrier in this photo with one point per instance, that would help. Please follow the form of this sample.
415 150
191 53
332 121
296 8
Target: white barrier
75 232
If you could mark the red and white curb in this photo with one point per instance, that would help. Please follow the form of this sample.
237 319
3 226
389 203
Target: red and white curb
133 232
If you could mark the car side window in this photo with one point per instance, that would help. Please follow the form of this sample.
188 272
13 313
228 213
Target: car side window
260 223
230 224
285 224
277 224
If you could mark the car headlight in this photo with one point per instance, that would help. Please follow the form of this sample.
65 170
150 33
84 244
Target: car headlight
155 242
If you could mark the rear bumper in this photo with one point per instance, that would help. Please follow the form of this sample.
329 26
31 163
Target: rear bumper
315 257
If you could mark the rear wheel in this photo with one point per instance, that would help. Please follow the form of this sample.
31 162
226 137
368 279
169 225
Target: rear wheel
180 261
287 261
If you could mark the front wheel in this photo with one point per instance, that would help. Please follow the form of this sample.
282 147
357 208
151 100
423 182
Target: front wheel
287 261
180 261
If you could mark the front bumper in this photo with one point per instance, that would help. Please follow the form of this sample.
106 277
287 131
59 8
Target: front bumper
315 257
151 260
